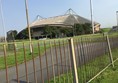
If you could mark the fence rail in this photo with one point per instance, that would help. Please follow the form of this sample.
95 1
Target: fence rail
77 60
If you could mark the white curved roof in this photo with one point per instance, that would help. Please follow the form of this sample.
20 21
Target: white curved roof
67 19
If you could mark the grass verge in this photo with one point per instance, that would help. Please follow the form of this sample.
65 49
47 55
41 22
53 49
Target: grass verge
111 74
87 71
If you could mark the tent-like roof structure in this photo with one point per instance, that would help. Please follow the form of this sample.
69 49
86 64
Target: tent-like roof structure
69 19
62 20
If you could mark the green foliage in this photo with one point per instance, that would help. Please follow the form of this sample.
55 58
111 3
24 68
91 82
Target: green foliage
78 29
14 33
54 32
67 31
87 71
11 35
111 74
23 34
20 54
105 29
51 31
81 29
57 32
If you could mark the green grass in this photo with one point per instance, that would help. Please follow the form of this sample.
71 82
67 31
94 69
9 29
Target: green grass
110 75
105 29
20 53
86 72
79 36
10 57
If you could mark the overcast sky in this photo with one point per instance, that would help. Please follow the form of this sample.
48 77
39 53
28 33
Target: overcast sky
15 19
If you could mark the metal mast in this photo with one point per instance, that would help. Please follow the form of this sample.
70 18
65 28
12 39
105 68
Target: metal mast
91 10
117 17
3 23
28 26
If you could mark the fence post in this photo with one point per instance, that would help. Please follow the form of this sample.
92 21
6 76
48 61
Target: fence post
73 61
110 53
5 60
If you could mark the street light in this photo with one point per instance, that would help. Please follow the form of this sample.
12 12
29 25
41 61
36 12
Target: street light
117 17
28 26
3 23
91 10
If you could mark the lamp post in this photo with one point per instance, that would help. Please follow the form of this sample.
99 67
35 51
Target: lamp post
117 17
3 23
91 10
28 26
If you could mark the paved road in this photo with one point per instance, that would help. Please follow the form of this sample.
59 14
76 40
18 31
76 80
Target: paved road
63 66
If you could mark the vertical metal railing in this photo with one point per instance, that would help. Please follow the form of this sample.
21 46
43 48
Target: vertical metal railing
57 61
33 62
40 60
5 60
52 61
73 61
77 60
25 61
109 49
16 63
48 76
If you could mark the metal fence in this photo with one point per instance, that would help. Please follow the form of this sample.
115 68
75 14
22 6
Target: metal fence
77 60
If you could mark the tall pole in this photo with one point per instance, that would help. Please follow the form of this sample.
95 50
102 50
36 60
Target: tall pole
117 17
3 23
91 10
28 26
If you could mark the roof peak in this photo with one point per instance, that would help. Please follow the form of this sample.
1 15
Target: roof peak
70 12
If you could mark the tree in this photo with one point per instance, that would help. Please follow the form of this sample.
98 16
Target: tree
23 34
51 31
11 35
87 28
83 28
67 31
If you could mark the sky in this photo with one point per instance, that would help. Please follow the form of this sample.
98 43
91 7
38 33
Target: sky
104 11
